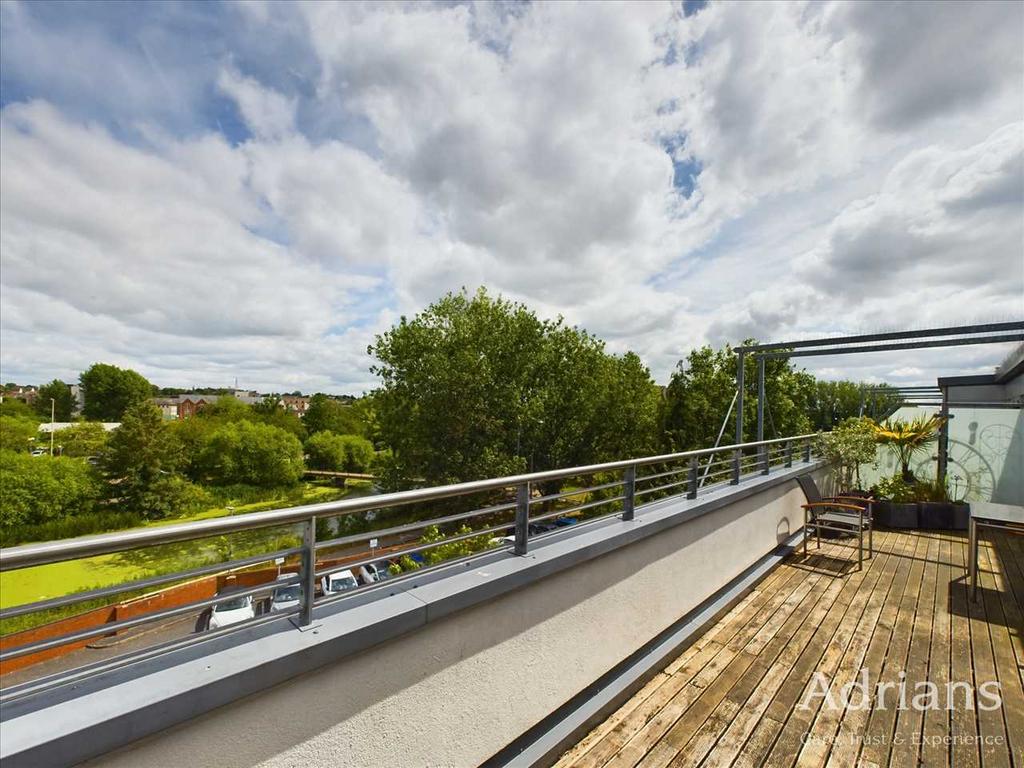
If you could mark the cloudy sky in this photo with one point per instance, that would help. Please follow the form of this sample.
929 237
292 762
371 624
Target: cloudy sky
206 191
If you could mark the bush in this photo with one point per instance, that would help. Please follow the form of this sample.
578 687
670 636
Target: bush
254 454
67 527
847 447
17 433
172 496
87 438
340 453
39 489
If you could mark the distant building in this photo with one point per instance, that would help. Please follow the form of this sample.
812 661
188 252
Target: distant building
79 394
189 405
57 426
26 394
168 406
297 404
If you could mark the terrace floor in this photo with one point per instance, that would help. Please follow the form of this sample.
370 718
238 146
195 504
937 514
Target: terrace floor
735 697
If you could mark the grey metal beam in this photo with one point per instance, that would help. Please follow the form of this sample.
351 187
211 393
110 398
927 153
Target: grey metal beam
1016 325
1001 339
740 356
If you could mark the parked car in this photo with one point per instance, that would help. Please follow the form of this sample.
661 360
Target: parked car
231 611
383 570
40 452
561 522
371 573
339 581
285 597
539 528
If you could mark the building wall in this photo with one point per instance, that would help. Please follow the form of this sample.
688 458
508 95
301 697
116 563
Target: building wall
456 691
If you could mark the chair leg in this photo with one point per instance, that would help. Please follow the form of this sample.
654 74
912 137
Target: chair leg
806 533
817 528
860 549
871 538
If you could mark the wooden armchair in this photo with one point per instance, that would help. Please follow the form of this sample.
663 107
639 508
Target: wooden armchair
842 514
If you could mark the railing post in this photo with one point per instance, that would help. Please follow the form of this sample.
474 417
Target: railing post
737 456
789 453
691 481
308 573
807 451
629 492
522 518
766 462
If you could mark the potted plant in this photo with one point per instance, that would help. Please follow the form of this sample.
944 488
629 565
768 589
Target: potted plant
934 508
961 509
847 447
905 438
895 505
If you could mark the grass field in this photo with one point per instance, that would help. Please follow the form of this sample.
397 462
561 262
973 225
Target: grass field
57 579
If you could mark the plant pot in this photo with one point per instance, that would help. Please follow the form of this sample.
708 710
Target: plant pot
961 516
881 512
903 515
937 515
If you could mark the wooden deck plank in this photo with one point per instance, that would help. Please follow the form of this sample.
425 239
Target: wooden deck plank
854 720
731 698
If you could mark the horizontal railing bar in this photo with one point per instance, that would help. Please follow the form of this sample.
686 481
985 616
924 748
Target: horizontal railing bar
117 626
663 474
105 543
408 551
578 508
355 538
577 492
645 491
116 589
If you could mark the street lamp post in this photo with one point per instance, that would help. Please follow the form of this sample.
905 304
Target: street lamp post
53 409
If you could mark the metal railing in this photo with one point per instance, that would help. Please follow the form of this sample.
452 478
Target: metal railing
672 475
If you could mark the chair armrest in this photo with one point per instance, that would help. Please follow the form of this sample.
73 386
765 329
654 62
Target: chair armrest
862 499
832 505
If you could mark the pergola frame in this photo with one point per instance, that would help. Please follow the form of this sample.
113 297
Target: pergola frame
929 338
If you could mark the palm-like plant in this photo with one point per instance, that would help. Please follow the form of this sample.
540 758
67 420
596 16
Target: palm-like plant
906 437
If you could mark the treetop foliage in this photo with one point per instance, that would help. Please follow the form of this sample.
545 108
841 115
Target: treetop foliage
110 391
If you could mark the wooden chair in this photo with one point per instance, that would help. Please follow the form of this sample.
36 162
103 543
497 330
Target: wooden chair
842 514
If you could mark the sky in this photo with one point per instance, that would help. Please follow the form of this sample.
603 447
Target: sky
250 191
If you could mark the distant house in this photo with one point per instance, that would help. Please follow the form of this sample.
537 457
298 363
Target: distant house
297 404
168 406
27 394
189 405
57 426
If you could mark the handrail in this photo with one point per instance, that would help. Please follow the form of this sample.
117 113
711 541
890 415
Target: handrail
28 555
736 465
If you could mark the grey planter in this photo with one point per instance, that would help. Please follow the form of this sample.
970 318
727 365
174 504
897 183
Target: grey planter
903 515
961 516
937 515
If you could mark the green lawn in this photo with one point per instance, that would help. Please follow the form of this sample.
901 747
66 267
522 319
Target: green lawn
57 579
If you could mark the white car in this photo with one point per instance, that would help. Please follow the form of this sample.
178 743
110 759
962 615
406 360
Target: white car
286 596
339 581
232 611
371 573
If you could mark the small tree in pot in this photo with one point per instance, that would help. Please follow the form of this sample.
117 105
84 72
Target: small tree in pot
847 447
905 438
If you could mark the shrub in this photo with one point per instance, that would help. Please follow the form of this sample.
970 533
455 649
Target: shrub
17 433
340 453
67 527
849 445
87 438
254 454
36 490
172 496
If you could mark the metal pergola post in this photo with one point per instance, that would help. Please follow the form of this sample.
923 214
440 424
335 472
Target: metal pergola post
740 358
940 471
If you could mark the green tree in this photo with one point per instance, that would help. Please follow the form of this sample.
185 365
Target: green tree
141 454
253 454
110 391
477 386
848 446
17 434
325 414
35 490
63 401
702 387
87 438
339 453
835 401
19 409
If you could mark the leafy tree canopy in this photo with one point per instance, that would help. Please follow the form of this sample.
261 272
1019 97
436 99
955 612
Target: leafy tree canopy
17 434
476 386
325 414
63 401
339 453
698 396
253 454
87 438
19 409
110 391
35 490
141 453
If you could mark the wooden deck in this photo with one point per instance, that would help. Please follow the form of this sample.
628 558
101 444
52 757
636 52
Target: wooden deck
735 697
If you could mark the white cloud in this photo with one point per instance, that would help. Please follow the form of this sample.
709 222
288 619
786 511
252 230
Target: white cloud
261 212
